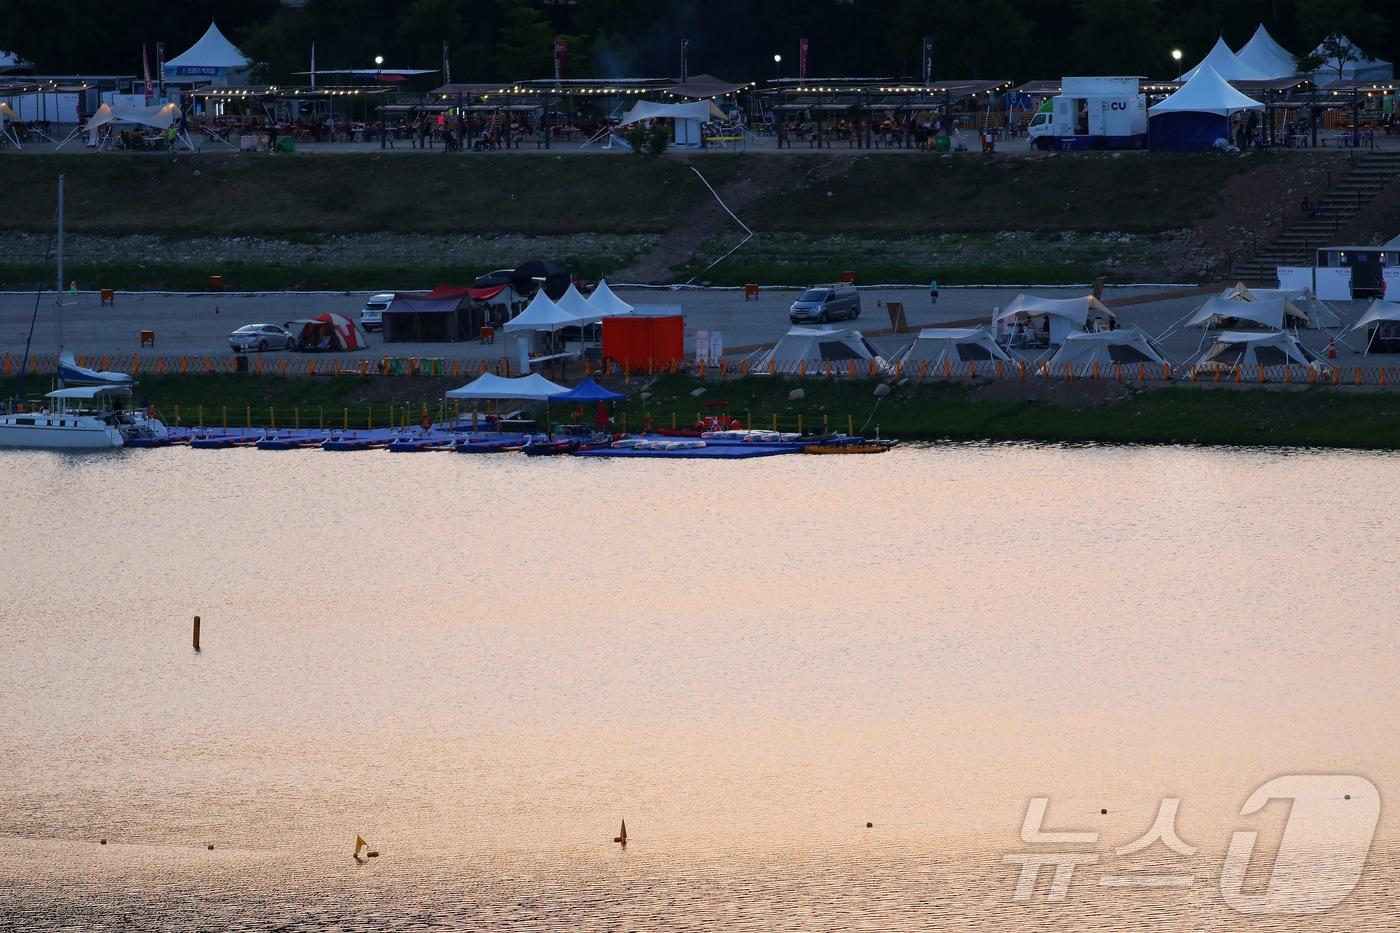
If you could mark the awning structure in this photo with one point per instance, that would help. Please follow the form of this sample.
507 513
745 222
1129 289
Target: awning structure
158 117
1218 311
533 387
647 110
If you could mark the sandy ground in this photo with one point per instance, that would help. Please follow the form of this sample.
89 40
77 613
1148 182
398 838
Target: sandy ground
199 324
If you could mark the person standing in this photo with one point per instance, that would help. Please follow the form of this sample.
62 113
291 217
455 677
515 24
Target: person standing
933 292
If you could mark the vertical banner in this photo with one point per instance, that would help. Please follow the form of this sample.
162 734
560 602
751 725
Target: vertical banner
928 60
685 60
702 346
160 67
146 72
802 59
446 64
560 46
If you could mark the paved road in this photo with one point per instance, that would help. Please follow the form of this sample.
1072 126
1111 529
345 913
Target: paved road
199 324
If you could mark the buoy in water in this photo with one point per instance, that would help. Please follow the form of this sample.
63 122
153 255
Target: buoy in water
869 825
211 847
102 842
372 854
1104 812
621 837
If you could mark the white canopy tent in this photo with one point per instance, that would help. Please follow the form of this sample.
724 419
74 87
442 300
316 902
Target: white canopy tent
813 346
1106 348
1301 304
1385 317
213 57
605 303
1226 64
575 305
935 346
1219 311
1362 69
1207 91
1266 56
1235 348
687 118
98 126
1056 317
534 388
541 314
8 116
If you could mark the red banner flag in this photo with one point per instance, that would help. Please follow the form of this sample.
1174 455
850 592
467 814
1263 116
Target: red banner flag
560 47
802 58
146 71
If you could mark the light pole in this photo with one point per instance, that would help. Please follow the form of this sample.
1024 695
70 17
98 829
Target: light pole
777 67
1176 57
379 80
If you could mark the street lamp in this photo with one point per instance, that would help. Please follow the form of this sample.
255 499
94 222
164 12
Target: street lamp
1176 57
778 66
379 79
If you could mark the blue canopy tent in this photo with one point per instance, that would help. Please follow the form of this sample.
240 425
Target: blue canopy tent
587 391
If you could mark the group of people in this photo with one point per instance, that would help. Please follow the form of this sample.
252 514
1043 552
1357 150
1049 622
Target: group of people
930 132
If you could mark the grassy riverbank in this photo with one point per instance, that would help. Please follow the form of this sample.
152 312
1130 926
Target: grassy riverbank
1080 412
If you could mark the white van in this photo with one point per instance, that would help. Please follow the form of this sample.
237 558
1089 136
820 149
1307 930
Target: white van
372 314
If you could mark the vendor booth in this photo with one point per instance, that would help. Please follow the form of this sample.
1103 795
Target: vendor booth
446 314
211 60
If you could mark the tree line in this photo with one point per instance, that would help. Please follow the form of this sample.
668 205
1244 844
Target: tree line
491 40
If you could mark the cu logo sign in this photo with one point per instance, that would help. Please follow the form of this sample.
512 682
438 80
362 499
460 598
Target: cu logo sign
1118 105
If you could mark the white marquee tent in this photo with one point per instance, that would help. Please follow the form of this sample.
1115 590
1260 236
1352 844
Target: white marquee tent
1266 56
1197 113
605 302
954 345
1226 64
575 305
1107 348
1274 312
213 58
533 387
1385 315
543 314
1234 348
813 346
1059 316
160 117
687 118
1363 69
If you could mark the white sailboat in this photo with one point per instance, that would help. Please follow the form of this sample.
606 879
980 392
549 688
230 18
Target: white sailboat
89 410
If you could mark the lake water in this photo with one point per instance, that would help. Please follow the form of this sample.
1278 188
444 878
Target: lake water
482 664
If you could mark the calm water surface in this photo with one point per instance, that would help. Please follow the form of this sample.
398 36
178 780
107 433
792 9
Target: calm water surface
482 664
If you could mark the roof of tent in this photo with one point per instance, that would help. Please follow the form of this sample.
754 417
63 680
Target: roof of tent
1106 346
603 301
1226 64
212 50
587 391
159 117
422 304
933 344
533 387
1299 303
648 110
1266 56
543 314
1265 311
1074 309
1379 311
575 305
1364 67
1249 343
1206 92
703 85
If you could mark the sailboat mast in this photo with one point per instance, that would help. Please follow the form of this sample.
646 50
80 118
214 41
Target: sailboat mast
59 279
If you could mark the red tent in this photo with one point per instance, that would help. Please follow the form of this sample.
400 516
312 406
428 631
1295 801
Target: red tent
350 336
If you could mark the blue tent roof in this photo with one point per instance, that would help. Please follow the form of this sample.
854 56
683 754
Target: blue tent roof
586 391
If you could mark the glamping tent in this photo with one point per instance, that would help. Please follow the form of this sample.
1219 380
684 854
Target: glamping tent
1383 320
1226 64
1105 348
1362 69
445 314
687 119
1047 321
1301 307
1197 113
1251 350
807 347
935 346
533 387
211 60
1273 312
1266 56
605 303
326 333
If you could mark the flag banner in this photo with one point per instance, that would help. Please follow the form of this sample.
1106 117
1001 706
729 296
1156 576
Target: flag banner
928 60
560 47
802 59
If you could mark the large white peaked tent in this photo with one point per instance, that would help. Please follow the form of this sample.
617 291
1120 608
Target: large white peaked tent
1273 312
1059 316
1197 113
1249 350
605 302
1106 348
1266 56
935 346
813 346
213 57
1384 317
1363 69
576 306
1226 64
542 314
686 118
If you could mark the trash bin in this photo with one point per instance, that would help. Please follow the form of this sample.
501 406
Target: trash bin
287 143
240 363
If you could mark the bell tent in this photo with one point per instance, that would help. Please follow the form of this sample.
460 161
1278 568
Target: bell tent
1055 318
954 346
1105 348
1251 350
809 347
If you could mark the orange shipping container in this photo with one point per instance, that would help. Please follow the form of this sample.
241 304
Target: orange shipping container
635 341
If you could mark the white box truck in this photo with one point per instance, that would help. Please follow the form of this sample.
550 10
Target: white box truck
1093 113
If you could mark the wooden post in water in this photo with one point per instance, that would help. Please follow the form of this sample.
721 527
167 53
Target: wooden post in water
799 424
225 417
248 415
196 633
201 415
271 416
775 421
850 426
296 417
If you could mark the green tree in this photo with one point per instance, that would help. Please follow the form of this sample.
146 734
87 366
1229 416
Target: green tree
524 44
1119 37
425 24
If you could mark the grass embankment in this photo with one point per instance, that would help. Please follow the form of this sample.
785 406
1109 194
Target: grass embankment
886 217
1302 417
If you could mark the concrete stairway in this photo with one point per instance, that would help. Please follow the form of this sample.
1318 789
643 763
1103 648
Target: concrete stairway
1296 242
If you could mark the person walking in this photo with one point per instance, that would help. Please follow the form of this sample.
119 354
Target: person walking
933 292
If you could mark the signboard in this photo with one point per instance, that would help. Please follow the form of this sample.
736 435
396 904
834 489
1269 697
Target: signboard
702 346
716 348
199 71
1295 277
1390 284
560 47
1333 284
928 60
